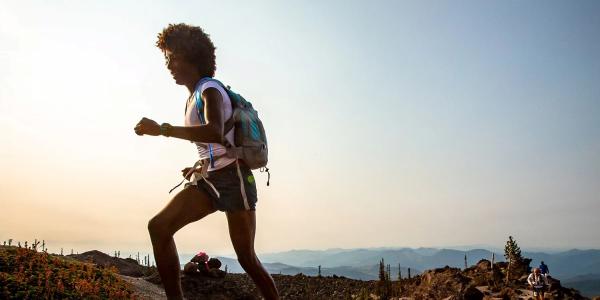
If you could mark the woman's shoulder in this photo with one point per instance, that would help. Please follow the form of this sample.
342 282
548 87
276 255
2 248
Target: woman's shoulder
212 84
209 83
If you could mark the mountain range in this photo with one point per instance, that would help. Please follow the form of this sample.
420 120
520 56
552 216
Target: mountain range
564 264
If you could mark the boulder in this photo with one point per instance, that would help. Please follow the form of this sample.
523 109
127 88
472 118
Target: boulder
472 293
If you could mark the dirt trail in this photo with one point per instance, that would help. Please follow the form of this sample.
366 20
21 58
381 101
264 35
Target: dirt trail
144 289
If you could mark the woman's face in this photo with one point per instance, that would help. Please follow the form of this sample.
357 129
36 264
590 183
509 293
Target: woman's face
182 71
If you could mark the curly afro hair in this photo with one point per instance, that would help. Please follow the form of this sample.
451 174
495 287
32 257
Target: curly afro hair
192 43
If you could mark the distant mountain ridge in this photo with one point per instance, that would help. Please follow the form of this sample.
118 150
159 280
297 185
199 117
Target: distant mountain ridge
367 272
588 284
420 258
566 264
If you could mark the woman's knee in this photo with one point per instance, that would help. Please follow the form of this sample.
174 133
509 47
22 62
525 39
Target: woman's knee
157 228
248 260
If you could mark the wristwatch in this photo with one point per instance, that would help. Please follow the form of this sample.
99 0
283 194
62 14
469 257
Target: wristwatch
165 129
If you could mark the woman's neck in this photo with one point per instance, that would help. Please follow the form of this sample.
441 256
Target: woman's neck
191 85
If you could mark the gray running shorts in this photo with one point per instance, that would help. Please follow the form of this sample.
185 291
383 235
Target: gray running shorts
231 188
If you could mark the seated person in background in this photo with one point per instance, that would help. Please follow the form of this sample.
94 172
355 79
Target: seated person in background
538 282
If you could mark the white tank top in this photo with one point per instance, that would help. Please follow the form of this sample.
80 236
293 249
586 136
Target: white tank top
192 119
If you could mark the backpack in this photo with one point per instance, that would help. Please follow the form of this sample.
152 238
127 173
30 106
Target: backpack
250 140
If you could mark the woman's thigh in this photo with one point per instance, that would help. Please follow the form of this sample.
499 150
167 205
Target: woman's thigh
189 205
242 228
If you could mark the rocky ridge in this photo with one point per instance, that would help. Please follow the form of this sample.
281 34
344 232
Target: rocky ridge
481 281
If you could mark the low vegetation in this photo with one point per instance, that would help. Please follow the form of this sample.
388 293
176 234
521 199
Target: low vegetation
28 274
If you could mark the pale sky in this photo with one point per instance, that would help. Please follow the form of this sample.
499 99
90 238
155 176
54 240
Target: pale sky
390 123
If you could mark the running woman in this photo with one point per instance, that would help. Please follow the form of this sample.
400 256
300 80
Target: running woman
224 183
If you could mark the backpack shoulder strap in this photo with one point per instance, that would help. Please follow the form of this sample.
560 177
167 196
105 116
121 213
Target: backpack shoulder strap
198 97
230 123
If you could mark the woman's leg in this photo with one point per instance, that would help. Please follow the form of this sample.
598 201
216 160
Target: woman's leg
187 206
242 226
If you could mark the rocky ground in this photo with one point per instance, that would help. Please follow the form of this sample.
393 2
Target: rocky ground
240 286
477 282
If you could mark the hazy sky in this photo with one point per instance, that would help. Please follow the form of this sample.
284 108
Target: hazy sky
390 123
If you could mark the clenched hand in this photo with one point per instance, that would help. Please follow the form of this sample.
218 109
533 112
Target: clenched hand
147 126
